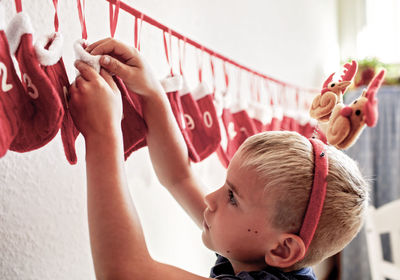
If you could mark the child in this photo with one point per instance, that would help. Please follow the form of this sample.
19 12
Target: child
258 222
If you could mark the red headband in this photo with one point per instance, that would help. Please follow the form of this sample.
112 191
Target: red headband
318 191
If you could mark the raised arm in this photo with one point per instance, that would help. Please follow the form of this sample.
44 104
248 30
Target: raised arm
118 246
167 148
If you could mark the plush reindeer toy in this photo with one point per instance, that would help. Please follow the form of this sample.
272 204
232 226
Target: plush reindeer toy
332 93
347 122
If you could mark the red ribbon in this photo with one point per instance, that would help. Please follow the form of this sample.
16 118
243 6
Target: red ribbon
138 32
82 20
18 6
168 50
114 17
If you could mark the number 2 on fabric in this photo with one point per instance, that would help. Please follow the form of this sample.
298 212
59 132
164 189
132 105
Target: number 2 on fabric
3 74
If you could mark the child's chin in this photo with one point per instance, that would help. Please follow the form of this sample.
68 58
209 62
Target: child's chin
206 240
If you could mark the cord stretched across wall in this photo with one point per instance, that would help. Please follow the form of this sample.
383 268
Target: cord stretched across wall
136 13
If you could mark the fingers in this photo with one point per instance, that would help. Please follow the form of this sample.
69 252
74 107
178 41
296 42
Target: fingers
86 71
95 44
116 49
116 67
109 79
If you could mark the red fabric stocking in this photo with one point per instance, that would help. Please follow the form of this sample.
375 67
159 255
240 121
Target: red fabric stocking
134 129
11 91
57 74
210 137
172 85
43 111
235 135
276 120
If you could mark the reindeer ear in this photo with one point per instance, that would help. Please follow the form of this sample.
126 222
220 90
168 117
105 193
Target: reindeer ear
338 127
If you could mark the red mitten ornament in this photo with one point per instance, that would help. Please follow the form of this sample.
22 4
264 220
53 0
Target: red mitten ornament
48 50
210 137
243 121
11 93
133 127
235 135
221 152
172 85
43 111
276 120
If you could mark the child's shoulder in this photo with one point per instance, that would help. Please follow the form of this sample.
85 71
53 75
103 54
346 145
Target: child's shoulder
223 270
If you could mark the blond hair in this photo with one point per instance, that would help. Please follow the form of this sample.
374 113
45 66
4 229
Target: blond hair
284 162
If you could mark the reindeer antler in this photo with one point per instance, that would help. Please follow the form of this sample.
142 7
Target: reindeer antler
349 71
327 81
371 107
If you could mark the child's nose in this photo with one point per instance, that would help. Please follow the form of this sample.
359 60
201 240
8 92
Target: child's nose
210 200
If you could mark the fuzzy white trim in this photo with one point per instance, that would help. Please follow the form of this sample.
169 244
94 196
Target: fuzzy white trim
53 54
219 104
303 118
277 112
185 87
238 105
290 113
18 26
2 22
201 90
171 84
82 54
260 112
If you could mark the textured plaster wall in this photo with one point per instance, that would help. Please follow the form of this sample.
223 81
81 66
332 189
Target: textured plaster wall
43 215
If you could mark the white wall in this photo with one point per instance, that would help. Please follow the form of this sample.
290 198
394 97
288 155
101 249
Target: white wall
43 215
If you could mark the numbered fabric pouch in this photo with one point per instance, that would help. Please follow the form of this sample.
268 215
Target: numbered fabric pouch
11 91
260 117
49 50
276 121
244 122
208 136
285 123
134 128
172 86
205 101
234 135
306 125
41 122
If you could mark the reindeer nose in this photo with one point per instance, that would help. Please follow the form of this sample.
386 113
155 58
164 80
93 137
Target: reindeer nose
346 112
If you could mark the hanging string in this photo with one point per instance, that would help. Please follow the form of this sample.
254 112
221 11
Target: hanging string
114 17
56 22
137 33
81 13
200 64
226 78
168 50
214 80
182 55
18 6
155 23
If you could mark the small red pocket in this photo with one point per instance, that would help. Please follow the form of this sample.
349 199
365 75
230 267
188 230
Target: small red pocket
43 110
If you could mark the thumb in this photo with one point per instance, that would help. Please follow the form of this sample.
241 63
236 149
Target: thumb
115 66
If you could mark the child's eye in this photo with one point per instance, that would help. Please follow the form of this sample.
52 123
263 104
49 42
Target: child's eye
232 199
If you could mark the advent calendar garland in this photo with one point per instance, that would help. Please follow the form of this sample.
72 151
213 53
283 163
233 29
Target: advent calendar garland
33 108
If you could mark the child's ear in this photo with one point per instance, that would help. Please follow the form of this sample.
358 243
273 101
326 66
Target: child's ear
287 251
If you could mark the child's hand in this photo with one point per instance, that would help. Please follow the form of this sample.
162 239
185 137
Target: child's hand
95 103
127 63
